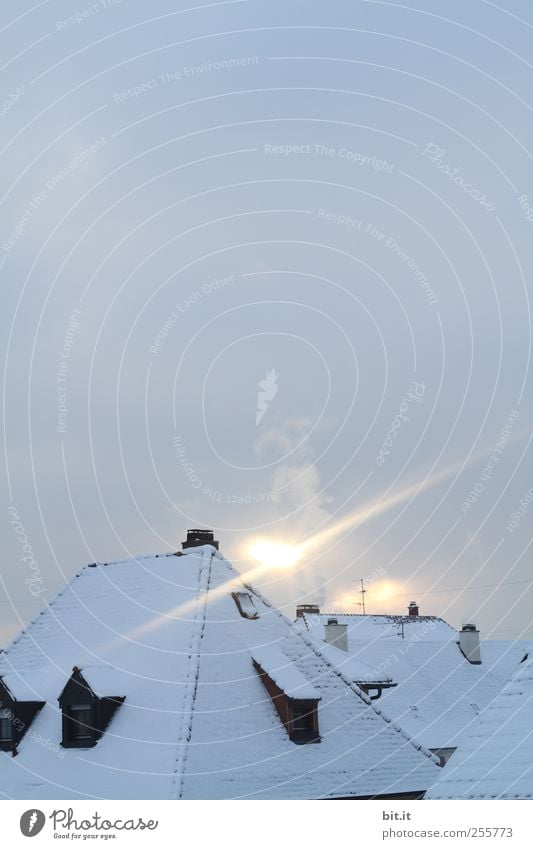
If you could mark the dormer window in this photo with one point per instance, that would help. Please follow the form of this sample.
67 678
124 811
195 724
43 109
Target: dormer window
81 722
87 705
6 726
304 721
294 698
17 711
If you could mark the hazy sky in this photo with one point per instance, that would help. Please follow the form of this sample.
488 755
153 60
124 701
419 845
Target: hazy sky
324 209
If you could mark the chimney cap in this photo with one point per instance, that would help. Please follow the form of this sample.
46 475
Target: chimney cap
469 627
333 621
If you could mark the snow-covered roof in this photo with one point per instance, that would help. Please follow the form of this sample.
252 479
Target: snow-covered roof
495 760
20 689
104 680
367 627
439 694
284 673
352 667
197 721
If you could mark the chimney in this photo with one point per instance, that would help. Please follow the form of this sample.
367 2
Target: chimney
196 537
310 609
413 609
336 635
469 643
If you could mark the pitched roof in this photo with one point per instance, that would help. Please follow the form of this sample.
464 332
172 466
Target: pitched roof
439 694
196 721
495 760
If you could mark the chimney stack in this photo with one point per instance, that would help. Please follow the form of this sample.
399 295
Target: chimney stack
336 635
196 537
310 609
469 643
413 609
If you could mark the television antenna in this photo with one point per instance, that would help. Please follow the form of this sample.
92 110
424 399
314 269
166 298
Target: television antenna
362 593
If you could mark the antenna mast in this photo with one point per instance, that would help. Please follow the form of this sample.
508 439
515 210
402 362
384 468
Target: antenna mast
362 593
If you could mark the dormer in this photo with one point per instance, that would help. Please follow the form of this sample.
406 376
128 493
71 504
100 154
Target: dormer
87 705
18 709
295 699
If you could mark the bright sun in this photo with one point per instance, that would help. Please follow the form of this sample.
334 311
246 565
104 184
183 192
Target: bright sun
384 591
279 555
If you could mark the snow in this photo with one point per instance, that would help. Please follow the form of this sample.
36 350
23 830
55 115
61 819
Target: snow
353 668
274 662
246 604
439 694
104 680
495 760
197 722
20 689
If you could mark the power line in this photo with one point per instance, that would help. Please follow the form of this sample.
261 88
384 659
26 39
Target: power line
459 589
422 593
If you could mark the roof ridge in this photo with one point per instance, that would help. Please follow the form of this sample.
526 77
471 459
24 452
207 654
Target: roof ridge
405 616
418 746
265 601
135 558
193 673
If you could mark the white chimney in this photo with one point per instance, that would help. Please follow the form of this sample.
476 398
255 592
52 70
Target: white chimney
469 643
337 635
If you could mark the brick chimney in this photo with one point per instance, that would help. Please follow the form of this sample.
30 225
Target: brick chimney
196 537
469 643
336 635
413 609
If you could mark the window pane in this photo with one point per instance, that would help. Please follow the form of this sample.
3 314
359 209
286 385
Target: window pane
6 725
302 720
81 721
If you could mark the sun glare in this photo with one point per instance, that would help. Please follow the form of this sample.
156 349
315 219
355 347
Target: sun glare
278 555
384 591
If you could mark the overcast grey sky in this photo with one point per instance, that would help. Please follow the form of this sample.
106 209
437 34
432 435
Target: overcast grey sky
322 208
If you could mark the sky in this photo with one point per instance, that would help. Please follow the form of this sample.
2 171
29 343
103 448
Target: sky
266 269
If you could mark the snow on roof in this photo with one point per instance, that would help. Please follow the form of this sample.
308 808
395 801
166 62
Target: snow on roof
104 680
275 663
495 760
197 722
352 667
21 690
439 694
370 626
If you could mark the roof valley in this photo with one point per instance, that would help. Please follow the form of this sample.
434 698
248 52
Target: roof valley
193 673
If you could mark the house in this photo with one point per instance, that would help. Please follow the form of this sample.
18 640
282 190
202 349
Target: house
495 760
443 678
167 677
